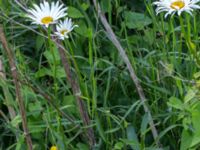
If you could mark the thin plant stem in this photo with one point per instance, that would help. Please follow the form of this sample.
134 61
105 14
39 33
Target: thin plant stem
172 31
54 65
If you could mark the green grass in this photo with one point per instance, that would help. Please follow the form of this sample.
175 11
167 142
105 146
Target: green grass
163 52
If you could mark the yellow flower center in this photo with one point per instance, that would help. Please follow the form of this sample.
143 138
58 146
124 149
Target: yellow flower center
63 31
177 4
53 148
47 20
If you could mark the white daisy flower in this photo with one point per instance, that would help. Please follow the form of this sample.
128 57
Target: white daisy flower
173 6
64 27
46 14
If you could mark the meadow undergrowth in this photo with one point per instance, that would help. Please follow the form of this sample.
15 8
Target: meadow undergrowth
117 76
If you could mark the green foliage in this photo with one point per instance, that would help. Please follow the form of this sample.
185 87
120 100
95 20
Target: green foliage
163 52
136 20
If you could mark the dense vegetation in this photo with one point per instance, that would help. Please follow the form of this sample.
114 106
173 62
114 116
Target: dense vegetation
164 53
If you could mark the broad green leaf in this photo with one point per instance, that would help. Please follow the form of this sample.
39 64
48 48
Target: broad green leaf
52 56
85 6
43 72
197 75
136 20
175 103
16 121
82 29
82 146
106 6
192 139
196 126
190 95
100 128
69 103
60 72
39 42
35 108
180 87
149 36
20 143
131 143
186 140
132 136
144 124
118 146
74 13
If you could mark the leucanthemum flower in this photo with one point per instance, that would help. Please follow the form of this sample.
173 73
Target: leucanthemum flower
173 6
64 27
46 14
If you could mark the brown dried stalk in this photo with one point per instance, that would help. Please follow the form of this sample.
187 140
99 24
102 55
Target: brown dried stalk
17 87
76 91
125 58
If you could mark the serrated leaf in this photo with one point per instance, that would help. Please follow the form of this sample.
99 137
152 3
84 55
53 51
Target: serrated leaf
144 124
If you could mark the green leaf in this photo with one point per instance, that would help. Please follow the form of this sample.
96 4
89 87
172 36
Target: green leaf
176 103
149 36
186 140
144 124
35 108
83 29
196 75
136 20
39 42
105 6
100 128
190 95
74 13
51 57
20 143
118 146
191 139
132 136
43 72
60 72
196 126
16 121
82 146
85 6
131 143
69 103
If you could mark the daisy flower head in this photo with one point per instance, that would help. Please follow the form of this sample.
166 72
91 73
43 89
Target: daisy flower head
46 14
64 27
173 6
